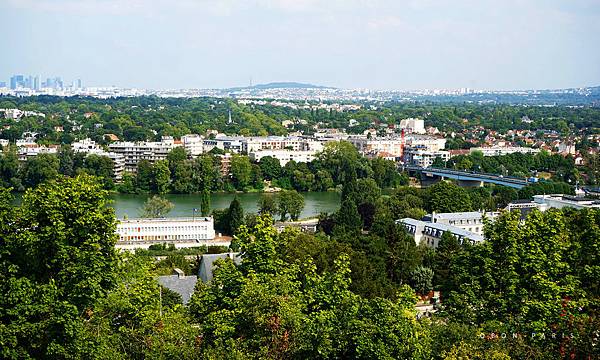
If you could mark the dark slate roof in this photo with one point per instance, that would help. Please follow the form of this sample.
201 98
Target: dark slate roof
205 271
184 286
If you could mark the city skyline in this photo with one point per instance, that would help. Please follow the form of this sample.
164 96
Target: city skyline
353 44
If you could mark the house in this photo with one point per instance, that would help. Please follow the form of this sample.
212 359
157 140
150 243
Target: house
180 283
207 264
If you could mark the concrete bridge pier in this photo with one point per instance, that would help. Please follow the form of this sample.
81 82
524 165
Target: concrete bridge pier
470 183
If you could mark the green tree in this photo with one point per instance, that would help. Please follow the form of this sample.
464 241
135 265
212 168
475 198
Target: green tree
290 202
448 197
235 215
348 216
270 167
156 207
241 171
267 204
39 169
205 202
57 260
144 175
421 279
161 178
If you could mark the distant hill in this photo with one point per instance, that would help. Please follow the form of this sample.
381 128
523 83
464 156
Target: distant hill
282 85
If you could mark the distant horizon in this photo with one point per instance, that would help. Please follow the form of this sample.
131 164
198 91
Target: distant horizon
349 44
306 85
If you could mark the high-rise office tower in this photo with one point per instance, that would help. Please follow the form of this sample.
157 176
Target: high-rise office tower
79 84
36 83
16 81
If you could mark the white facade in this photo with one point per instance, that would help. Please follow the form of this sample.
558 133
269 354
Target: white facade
504 150
193 144
471 221
134 152
428 143
284 156
182 232
365 146
415 126
28 151
559 201
424 158
88 146
280 143
431 233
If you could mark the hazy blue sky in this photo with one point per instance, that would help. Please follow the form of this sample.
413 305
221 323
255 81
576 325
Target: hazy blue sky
500 44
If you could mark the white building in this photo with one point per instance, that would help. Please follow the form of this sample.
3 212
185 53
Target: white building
559 201
193 144
429 143
414 126
225 143
4 143
504 150
26 151
284 156
431 233
293 143
471 221
134 152
89 146
366 146
182 232
424 158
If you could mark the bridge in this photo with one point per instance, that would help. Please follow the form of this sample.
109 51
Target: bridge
470 177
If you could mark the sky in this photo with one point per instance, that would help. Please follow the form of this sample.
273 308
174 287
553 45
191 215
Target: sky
375 44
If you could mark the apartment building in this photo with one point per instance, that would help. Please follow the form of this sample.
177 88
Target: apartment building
284 156
504 150
88 146
134 152
423 158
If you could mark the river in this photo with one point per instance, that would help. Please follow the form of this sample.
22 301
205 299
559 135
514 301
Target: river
314 203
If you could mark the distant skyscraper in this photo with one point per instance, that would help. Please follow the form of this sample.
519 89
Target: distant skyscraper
36 83
2 84
79 84
16 81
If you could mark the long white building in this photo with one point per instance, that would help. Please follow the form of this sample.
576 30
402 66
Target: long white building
431 233
284 156
182 232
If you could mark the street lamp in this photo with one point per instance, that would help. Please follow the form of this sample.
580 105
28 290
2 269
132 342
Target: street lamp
194 211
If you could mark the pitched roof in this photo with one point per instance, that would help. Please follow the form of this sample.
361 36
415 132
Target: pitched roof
205 271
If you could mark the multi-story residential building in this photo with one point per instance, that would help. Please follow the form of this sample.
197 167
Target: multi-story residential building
193 144
30 150
281 143
429 143
225 143
423 158
366 146
414 126
88 146
134 152
504 150
284 156
430 233
182 232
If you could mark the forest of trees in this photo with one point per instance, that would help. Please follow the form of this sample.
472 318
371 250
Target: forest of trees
531 290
